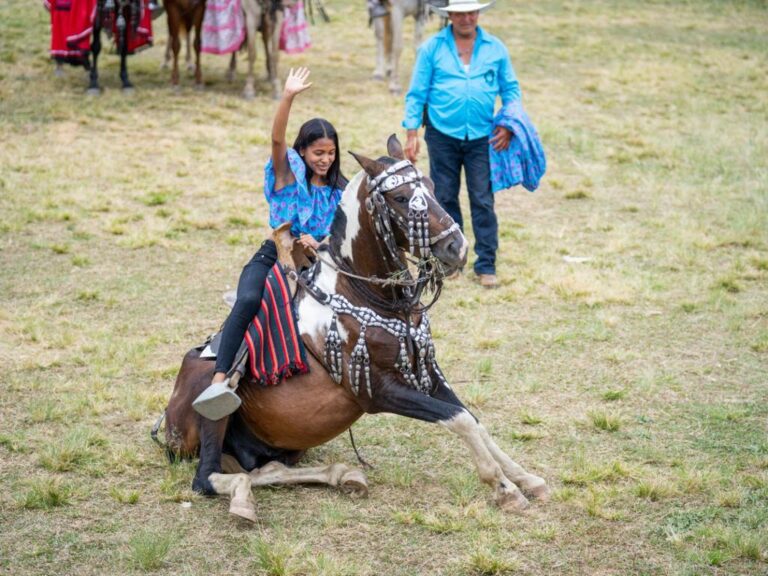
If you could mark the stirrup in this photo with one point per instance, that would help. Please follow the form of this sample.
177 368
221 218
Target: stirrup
217 401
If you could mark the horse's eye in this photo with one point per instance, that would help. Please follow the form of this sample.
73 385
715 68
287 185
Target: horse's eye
401 199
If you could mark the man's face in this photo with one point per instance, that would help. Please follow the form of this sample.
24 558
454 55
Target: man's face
464 23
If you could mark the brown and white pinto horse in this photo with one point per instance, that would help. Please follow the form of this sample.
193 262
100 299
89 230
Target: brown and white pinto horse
369 349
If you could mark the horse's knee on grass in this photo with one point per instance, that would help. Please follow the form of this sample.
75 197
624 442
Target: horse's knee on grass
202 485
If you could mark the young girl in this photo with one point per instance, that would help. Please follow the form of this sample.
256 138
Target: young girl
303 185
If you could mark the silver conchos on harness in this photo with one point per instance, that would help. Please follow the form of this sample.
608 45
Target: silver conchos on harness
417 225
416 352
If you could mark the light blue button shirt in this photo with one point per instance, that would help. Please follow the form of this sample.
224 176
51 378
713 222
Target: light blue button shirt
460 103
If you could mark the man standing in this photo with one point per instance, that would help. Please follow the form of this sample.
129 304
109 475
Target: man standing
457 76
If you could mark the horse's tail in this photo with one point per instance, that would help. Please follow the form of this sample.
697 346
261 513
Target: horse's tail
156 429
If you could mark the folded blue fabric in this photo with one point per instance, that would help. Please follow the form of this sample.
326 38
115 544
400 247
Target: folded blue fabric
524 160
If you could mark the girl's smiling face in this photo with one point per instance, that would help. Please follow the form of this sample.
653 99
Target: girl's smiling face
319 156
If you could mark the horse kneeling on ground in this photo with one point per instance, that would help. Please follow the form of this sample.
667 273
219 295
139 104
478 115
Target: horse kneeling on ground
368 348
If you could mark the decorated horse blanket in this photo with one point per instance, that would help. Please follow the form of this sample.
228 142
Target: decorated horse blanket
223 27
275 348
72 28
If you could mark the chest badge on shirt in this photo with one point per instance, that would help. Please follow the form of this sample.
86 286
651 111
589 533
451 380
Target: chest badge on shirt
490 76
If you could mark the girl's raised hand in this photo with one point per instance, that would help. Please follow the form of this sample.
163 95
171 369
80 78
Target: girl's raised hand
296 81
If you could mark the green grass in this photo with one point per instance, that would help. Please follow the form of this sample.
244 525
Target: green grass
630 375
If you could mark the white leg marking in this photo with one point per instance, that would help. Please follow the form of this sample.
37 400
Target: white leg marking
530 484
238 487
507 494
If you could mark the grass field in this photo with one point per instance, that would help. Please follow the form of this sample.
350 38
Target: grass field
624 357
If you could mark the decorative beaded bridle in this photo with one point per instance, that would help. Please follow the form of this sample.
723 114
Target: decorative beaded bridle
418 338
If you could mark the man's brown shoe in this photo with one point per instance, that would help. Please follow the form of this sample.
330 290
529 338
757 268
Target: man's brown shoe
488 280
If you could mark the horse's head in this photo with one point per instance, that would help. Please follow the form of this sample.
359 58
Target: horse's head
405 212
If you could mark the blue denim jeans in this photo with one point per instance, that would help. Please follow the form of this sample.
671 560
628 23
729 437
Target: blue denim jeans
446 157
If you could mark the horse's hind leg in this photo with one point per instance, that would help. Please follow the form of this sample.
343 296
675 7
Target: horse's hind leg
238 488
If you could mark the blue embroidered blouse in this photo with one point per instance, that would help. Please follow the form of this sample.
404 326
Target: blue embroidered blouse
310 210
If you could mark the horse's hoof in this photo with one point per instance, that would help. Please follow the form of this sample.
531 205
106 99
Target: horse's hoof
540 491
164 66
128 90
176 89
199 86
93 91
378 76
190 67
242 508
249 94
355 484
395 90
512 501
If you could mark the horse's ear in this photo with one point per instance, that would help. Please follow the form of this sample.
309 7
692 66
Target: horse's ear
371 167
394 148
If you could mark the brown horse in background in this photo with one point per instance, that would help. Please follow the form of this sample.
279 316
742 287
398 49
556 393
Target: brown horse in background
369 349
184 15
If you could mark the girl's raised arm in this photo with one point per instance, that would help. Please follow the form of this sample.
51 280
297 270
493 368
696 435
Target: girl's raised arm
294 84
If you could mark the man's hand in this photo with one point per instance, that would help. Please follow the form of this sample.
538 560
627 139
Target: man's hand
500 139
412 145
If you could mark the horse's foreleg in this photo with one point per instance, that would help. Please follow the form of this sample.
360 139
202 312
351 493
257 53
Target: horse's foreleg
271 35
409 402
531 485
93 86
198 25
349 480
397 49
188 55
378 32
232 67
251 27
127 86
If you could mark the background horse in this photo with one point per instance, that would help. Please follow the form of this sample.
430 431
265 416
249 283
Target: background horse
184 15
388 31
131 21
263 16
369 350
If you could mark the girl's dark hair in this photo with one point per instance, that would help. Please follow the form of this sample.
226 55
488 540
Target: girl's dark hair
313 130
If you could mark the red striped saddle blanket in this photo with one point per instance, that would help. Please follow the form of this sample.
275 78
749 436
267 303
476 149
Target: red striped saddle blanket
274 345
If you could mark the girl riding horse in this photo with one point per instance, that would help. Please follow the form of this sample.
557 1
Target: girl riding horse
303 186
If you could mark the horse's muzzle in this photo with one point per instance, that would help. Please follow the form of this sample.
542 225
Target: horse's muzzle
452 251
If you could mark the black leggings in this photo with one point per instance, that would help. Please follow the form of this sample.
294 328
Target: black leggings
250 288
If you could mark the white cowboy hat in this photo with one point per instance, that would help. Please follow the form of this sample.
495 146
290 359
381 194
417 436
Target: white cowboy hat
462 6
